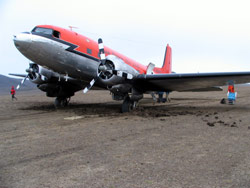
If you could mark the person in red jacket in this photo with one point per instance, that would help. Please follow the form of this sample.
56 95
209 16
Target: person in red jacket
231 94
13 92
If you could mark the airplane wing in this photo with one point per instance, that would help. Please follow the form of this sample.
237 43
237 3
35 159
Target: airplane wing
189 81
18 75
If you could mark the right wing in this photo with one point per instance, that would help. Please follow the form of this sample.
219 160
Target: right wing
189 81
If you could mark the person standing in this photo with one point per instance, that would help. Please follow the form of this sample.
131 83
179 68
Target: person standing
13 92
160 97
231 94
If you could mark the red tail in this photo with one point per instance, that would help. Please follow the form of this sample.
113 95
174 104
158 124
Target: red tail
167 63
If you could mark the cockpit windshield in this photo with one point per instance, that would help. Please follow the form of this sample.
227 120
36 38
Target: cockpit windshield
43 30
46 31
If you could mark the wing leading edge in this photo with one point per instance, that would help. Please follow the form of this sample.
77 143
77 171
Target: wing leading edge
189 81
18 75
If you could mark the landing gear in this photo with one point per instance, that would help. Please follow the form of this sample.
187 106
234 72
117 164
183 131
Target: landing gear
61 102
128 105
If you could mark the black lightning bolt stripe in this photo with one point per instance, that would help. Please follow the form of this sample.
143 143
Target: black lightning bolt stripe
71 47
125 75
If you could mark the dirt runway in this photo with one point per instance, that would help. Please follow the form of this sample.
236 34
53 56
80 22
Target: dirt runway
193 141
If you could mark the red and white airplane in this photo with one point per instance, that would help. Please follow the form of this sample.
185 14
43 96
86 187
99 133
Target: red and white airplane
65 62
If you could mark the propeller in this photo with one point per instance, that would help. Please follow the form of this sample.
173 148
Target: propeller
105 70
23 80
88 87
32 70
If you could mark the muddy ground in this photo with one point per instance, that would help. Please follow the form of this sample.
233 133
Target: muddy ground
194 141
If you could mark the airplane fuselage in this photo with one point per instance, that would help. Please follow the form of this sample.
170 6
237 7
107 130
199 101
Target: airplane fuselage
71 62
67 52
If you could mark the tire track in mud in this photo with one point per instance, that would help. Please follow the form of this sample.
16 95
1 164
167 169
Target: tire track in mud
78 148
33 115
40 157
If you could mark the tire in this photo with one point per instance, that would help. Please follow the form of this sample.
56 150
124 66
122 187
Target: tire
127 105
64 102
57 102
61 102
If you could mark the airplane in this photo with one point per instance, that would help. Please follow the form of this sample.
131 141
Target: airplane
65 62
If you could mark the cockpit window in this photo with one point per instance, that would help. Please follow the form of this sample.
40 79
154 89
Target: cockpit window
46 31
56 34
43 30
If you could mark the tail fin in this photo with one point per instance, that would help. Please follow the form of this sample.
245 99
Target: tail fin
167 63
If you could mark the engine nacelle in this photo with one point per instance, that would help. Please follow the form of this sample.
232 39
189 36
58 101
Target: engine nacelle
34 74
37 78
116 63
40 75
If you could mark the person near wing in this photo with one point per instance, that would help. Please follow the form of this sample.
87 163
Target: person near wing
13 93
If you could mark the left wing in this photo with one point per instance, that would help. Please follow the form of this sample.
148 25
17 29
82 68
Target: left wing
189 81
18 75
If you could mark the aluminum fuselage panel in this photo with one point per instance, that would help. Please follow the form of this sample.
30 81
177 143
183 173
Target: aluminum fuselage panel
53 54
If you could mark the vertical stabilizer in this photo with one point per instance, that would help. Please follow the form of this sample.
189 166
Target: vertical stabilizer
167 63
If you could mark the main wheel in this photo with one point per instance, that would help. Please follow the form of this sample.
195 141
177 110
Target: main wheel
65 102
57 102
61 102
128 105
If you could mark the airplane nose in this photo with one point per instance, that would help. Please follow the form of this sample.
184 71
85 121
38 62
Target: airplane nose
22 41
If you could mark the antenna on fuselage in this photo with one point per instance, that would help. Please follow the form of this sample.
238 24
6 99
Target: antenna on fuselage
71 28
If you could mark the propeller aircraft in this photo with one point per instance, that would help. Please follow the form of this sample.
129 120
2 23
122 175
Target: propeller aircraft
65 62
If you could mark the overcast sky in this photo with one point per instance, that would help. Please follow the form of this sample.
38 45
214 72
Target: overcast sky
205 36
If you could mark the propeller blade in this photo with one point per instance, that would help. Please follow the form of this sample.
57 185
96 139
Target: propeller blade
101 51
104 68
103 59
23 80
88 87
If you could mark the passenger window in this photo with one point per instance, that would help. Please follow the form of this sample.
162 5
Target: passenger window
89 51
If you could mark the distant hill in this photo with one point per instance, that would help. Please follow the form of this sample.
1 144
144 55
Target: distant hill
6 83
